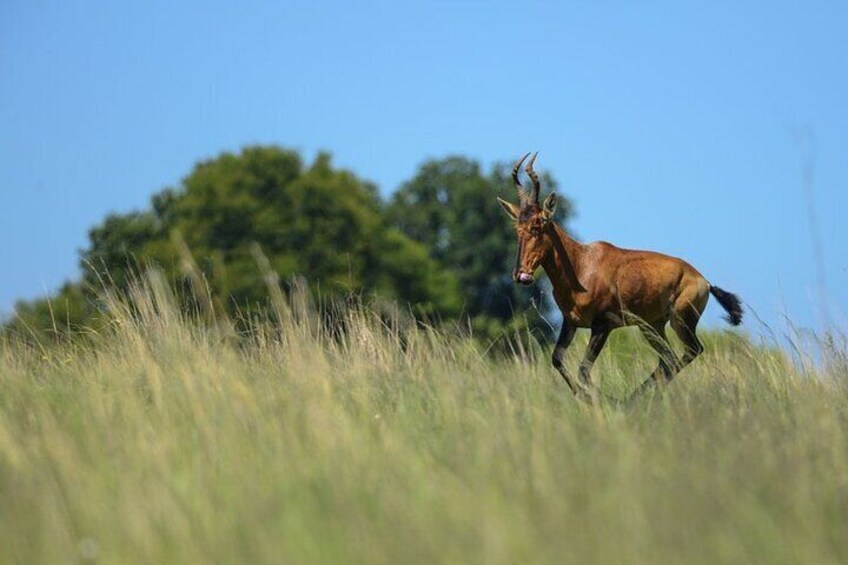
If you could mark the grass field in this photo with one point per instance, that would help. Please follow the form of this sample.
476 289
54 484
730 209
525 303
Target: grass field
163 441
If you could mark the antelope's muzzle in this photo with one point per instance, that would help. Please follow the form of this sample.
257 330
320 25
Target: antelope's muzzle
524 278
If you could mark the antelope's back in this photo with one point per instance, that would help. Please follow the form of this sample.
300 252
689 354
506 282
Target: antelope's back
649 284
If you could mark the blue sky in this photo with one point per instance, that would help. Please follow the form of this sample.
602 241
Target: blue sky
673 126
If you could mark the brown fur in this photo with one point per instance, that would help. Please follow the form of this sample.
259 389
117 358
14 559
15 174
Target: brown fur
603 287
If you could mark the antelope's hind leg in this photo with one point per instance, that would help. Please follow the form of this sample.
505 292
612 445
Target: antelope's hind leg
668 365
684 325
684 319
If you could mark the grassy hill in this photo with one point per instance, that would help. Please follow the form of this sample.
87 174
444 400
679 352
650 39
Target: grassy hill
164 440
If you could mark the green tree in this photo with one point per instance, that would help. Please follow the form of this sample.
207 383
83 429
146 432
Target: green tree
450 207
66 310
318 222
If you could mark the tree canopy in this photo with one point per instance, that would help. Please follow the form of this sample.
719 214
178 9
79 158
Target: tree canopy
440 245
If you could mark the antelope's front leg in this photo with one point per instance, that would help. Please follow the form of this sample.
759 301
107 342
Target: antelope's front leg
566 334
600 333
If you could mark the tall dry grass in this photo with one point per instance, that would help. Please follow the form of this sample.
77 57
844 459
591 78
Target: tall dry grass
166 440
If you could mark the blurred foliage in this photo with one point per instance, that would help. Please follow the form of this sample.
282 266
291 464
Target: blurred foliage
442 244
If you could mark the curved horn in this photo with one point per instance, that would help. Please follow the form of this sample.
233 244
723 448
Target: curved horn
534 177
515 169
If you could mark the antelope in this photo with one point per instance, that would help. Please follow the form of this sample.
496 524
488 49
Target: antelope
603 287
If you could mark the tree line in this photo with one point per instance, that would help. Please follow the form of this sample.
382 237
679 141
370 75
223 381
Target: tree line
439 243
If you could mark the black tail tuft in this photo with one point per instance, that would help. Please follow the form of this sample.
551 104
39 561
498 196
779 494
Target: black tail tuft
729 302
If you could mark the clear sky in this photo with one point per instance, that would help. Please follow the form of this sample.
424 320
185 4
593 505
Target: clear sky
672 125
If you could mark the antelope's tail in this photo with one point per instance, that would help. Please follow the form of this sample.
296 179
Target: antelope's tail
731 303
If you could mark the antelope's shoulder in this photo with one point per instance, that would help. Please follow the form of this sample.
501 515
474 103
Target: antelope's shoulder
598 250
606 256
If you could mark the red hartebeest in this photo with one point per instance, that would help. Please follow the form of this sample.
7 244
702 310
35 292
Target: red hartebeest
603 287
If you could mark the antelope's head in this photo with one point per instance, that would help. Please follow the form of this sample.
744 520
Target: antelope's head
533 223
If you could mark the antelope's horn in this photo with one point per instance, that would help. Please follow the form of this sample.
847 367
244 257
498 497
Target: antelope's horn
515 169
534 177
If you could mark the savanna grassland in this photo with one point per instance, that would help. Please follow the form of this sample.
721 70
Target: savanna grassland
163 440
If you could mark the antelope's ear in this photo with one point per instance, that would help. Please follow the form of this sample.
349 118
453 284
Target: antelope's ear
549 206
510 208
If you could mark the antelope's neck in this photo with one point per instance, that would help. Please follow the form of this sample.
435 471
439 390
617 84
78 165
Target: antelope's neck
563 262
